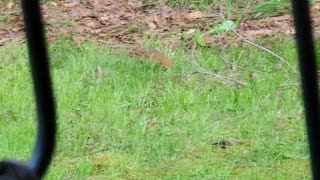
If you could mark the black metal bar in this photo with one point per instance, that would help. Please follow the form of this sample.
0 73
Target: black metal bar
307 59
38 55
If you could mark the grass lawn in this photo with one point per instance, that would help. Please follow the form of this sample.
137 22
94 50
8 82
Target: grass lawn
139 121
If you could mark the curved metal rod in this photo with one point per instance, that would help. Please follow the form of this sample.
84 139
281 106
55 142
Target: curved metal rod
38 55
309 79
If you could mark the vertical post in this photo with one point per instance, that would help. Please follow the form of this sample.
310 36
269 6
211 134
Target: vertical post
308 69
38 56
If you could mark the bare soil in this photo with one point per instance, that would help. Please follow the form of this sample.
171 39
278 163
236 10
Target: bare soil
128 22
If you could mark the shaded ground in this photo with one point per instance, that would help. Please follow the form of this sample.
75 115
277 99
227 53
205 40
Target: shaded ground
129 21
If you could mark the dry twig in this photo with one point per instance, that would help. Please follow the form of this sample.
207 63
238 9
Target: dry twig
201 70
226 60
261 47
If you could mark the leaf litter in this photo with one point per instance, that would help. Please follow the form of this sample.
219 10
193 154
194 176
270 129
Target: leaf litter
129 22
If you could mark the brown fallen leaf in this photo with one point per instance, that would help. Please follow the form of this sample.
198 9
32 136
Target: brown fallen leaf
252 35
193 15
10 5
190 32
2 41
166 12
17 29
315 7
80 12
152 25
72 3
153 55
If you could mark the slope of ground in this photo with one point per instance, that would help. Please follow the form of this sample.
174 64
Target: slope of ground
130 21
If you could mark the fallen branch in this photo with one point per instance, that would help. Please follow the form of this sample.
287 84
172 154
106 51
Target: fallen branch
16 13
201 70
261 47
227 61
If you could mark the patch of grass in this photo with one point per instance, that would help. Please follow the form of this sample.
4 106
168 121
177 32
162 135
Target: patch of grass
213 6
271 8
4 20
68 23
195 2
317 46
142 121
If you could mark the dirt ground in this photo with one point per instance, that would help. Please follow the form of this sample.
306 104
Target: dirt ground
128 22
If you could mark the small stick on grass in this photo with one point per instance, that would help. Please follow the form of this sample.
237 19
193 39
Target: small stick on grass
261 47
100 73
203 71
227 61
16 13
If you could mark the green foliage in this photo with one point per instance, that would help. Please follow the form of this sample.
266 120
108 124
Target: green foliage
271 8
223 27
138 120
317 46
198 39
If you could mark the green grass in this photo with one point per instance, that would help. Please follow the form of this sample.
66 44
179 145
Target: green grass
271 8
143 122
